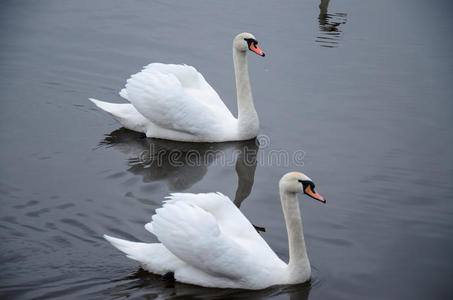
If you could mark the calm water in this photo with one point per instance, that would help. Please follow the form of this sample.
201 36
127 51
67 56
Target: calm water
362 89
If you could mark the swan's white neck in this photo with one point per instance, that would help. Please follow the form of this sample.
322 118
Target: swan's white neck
247 116
299 265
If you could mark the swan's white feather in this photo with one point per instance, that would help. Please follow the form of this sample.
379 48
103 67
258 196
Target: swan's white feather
123 94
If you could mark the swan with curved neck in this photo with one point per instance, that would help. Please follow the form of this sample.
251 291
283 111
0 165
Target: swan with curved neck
175 102
205 240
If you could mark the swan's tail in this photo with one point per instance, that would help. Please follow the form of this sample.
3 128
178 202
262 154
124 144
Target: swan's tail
153 257
124 113
133 250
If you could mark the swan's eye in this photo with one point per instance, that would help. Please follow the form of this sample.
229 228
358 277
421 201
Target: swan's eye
306 183
251 42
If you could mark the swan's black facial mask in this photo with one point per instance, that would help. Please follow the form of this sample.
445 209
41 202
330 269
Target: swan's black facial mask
253 46
309 189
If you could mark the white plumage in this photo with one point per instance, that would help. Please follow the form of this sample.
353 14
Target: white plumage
206 240
175 102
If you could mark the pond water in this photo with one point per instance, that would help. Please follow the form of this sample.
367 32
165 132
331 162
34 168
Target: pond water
356 94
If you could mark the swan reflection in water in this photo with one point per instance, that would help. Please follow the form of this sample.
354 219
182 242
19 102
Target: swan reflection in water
329 26
142 284
182 164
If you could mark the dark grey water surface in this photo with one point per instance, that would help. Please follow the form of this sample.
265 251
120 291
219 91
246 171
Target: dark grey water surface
363 88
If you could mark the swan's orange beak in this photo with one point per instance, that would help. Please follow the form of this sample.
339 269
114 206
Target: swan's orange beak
253 47
314 194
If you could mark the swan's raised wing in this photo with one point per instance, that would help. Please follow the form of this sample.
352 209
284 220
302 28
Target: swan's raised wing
193 235
174 97
193 82
228 217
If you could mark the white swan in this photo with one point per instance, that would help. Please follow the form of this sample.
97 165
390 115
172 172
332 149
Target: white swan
207 241
175 102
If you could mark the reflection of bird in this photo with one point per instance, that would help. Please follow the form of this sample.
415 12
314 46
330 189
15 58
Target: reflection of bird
182 164
323 7
146 284
245 168
175 102
329 25
207 241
